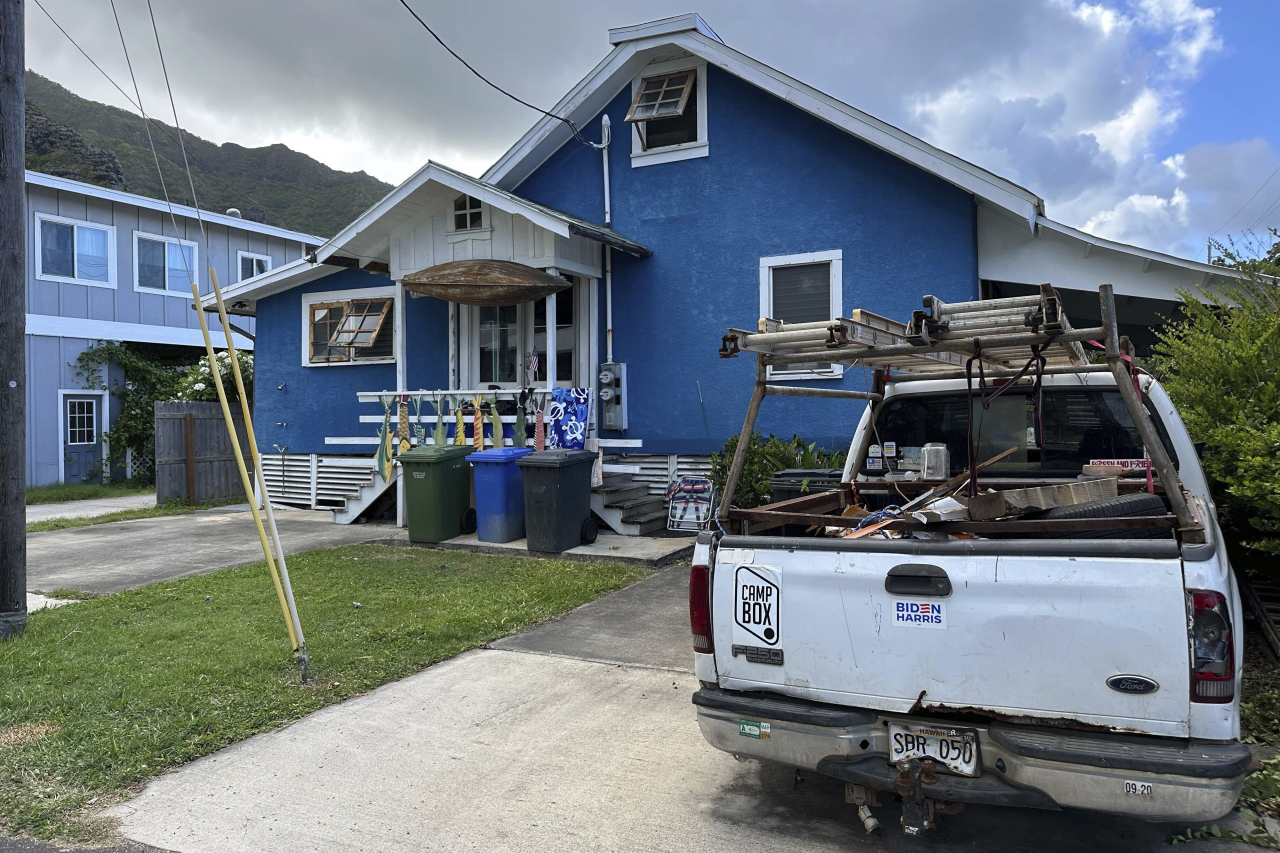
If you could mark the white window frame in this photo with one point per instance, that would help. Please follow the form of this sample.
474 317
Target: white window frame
767 265
241 255
41 218
66 439
685 150
160 238
309 299
453 234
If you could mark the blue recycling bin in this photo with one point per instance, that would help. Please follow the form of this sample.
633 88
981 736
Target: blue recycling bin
499 493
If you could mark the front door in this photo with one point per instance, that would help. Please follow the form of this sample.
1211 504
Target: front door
81 446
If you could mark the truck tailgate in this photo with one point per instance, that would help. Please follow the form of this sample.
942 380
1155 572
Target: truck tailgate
1033 637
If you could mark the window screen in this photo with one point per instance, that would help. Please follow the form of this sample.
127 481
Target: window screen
801 294
251 266
151 263
56 249
81 422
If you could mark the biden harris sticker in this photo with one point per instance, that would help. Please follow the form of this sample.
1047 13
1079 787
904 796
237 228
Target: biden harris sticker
919 614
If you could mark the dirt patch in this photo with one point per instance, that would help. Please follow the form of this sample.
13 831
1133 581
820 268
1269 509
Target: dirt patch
17 736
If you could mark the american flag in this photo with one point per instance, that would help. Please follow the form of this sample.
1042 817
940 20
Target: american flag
533 363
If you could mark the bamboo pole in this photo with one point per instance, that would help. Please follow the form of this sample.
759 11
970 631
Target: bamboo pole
256 457
244 474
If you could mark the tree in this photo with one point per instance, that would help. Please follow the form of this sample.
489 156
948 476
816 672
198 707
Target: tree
1221 366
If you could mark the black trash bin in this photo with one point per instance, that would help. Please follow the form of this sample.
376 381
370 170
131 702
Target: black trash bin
557 499
791 483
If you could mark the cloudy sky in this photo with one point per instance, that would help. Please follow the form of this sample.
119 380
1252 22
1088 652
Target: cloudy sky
1154 122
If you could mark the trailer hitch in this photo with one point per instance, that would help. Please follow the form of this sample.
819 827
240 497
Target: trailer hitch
918 808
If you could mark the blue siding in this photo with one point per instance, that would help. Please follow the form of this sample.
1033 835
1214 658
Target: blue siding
316 402
778 181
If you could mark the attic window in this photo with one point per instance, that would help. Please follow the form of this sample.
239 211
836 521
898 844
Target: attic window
665 110
467 213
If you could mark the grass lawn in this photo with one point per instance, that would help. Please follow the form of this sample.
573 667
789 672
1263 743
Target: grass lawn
59 492
97 697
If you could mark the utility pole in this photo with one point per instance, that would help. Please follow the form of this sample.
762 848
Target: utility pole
13 323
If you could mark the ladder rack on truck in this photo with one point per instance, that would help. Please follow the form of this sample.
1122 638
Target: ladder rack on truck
992 338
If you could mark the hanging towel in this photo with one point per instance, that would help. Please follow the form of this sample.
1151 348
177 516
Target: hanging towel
383 456
441 436
402 426
568 418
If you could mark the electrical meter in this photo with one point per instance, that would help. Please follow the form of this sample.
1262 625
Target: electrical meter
613 396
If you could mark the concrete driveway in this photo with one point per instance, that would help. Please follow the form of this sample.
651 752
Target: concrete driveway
128 554
576 735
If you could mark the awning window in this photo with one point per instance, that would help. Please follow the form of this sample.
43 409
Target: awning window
662 97
361 324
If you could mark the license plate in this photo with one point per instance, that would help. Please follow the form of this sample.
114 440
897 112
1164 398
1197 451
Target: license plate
955 749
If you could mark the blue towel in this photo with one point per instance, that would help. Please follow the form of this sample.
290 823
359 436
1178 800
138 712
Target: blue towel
567 418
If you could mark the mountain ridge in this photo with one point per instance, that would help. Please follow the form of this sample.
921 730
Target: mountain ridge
85 140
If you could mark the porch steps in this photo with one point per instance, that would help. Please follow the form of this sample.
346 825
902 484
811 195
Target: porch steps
372 497
625 505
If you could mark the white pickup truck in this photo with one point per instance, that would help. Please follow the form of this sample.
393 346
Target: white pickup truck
1044 671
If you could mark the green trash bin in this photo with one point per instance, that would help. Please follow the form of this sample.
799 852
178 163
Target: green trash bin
437 492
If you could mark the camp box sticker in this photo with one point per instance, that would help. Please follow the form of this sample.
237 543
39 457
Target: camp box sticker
919 614
757 596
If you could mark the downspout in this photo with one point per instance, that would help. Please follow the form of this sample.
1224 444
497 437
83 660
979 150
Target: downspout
606 136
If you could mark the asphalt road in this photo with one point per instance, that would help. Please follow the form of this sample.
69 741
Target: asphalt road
122 555
576 735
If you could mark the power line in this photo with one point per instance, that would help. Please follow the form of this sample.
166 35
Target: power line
162 129
191 181
1243 206
572 127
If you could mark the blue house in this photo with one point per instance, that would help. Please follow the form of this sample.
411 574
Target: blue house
109 265
711 191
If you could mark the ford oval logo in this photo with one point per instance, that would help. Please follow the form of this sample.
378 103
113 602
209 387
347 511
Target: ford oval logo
1132 684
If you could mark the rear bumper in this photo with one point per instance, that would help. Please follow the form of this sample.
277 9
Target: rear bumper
1043 767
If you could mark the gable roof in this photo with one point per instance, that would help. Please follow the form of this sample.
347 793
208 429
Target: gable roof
637 45
367 238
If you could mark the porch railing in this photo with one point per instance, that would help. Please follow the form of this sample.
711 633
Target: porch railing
435 398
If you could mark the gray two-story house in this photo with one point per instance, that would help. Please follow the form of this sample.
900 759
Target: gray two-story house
109 265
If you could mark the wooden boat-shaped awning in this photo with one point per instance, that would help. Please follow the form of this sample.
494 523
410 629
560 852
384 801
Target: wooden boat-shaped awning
484 282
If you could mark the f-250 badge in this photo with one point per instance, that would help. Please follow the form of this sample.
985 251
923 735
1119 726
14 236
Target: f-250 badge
757 604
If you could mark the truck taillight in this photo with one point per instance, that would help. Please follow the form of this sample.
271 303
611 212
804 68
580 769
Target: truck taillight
1213 665
700 608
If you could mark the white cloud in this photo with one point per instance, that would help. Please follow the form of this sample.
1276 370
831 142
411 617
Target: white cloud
1074 99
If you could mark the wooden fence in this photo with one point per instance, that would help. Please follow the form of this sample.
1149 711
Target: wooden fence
195 461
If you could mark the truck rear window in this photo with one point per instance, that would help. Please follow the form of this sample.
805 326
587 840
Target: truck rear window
1081 427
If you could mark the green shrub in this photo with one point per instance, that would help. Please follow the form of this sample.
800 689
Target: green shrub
766 457
1221 366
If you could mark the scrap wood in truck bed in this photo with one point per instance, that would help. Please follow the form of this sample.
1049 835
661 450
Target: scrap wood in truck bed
1021 501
